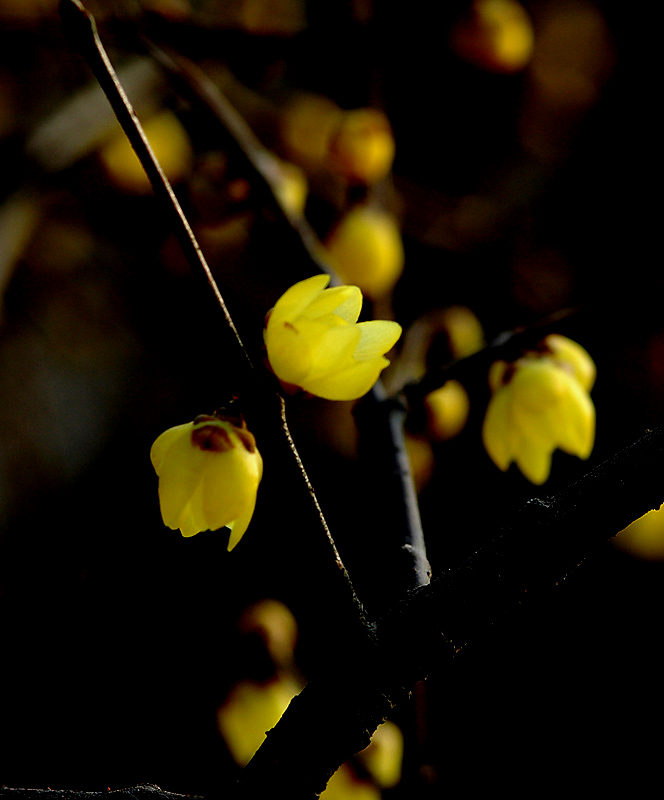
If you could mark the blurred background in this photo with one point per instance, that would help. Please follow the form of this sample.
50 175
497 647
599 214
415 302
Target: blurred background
475 167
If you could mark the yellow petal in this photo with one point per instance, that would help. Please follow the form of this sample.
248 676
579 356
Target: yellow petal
376 338
288 352
534 460
537 382
331 343
577 421
343 301
350 383
165 441
229 485
495 429
576 358
179 479
295 300
240 525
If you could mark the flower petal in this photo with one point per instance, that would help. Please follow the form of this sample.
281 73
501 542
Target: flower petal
288 352
240 525
495 429
229 485
350 383
179 479
343 301
295 300
534 460
332 343
377 337
165 441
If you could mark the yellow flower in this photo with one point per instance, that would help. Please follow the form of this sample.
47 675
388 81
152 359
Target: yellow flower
209 471
366 248
362 147
314 341
447 411
538 404
250 710
170 143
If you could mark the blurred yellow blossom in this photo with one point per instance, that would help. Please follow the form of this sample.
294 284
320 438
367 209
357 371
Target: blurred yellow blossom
362 147
250 710
539 404
357 144
169 142
572 356
447 411
314 341
383 758
644 538
209 471
366 249
463 329
345 785
496 35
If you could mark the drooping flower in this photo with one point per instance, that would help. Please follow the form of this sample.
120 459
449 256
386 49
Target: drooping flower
209 471
540 403
314 341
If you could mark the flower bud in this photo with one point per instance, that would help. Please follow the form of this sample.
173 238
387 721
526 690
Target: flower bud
496 35
209 471
314 341
537 405
362 147
170 144
447 411
366 249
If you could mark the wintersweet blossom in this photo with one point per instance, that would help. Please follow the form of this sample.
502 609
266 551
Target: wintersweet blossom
540 403
209 471
314 341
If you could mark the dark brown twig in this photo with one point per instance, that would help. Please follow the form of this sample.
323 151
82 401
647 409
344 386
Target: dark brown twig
81 29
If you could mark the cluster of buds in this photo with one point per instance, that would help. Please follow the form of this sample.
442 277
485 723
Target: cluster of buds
539 403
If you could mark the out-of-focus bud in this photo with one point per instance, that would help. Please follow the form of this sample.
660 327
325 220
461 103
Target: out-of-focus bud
464 331
345 785
308 125
357 145
383 758
250 710
275 624
537 405
447 411
362 147
496 35
421 458
644 538
366 249
314 341
170 144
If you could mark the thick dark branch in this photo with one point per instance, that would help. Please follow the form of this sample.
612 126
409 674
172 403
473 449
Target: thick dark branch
545 541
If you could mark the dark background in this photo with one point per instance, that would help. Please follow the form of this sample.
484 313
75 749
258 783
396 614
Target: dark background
117 636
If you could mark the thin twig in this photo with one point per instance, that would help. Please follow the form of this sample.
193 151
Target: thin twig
382 424
81 28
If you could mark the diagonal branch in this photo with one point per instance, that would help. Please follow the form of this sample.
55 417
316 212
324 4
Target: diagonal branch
544 541
80 26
